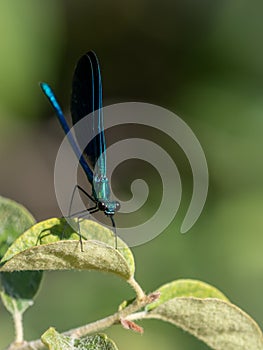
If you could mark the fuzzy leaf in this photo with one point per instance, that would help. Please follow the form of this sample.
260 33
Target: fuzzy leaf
186 288
218 323
55 341
51 253
67 255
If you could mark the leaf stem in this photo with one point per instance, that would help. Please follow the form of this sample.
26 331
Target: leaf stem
137 316
137 288
18 324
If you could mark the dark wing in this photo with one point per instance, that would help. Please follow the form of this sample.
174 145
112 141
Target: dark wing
86 99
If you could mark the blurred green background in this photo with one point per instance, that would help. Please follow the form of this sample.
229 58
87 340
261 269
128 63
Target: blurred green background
201 59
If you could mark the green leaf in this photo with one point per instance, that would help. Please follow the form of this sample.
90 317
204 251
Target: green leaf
55 341
218 323
14 220
186 288
51 253
19 288
95 342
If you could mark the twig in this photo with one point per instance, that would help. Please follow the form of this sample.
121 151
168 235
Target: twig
97 325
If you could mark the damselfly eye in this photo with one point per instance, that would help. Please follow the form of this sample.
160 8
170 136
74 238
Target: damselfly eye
102 206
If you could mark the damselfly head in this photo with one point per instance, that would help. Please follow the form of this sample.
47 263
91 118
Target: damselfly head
109 207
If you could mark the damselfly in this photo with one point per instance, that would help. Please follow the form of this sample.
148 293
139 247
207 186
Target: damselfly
86 102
